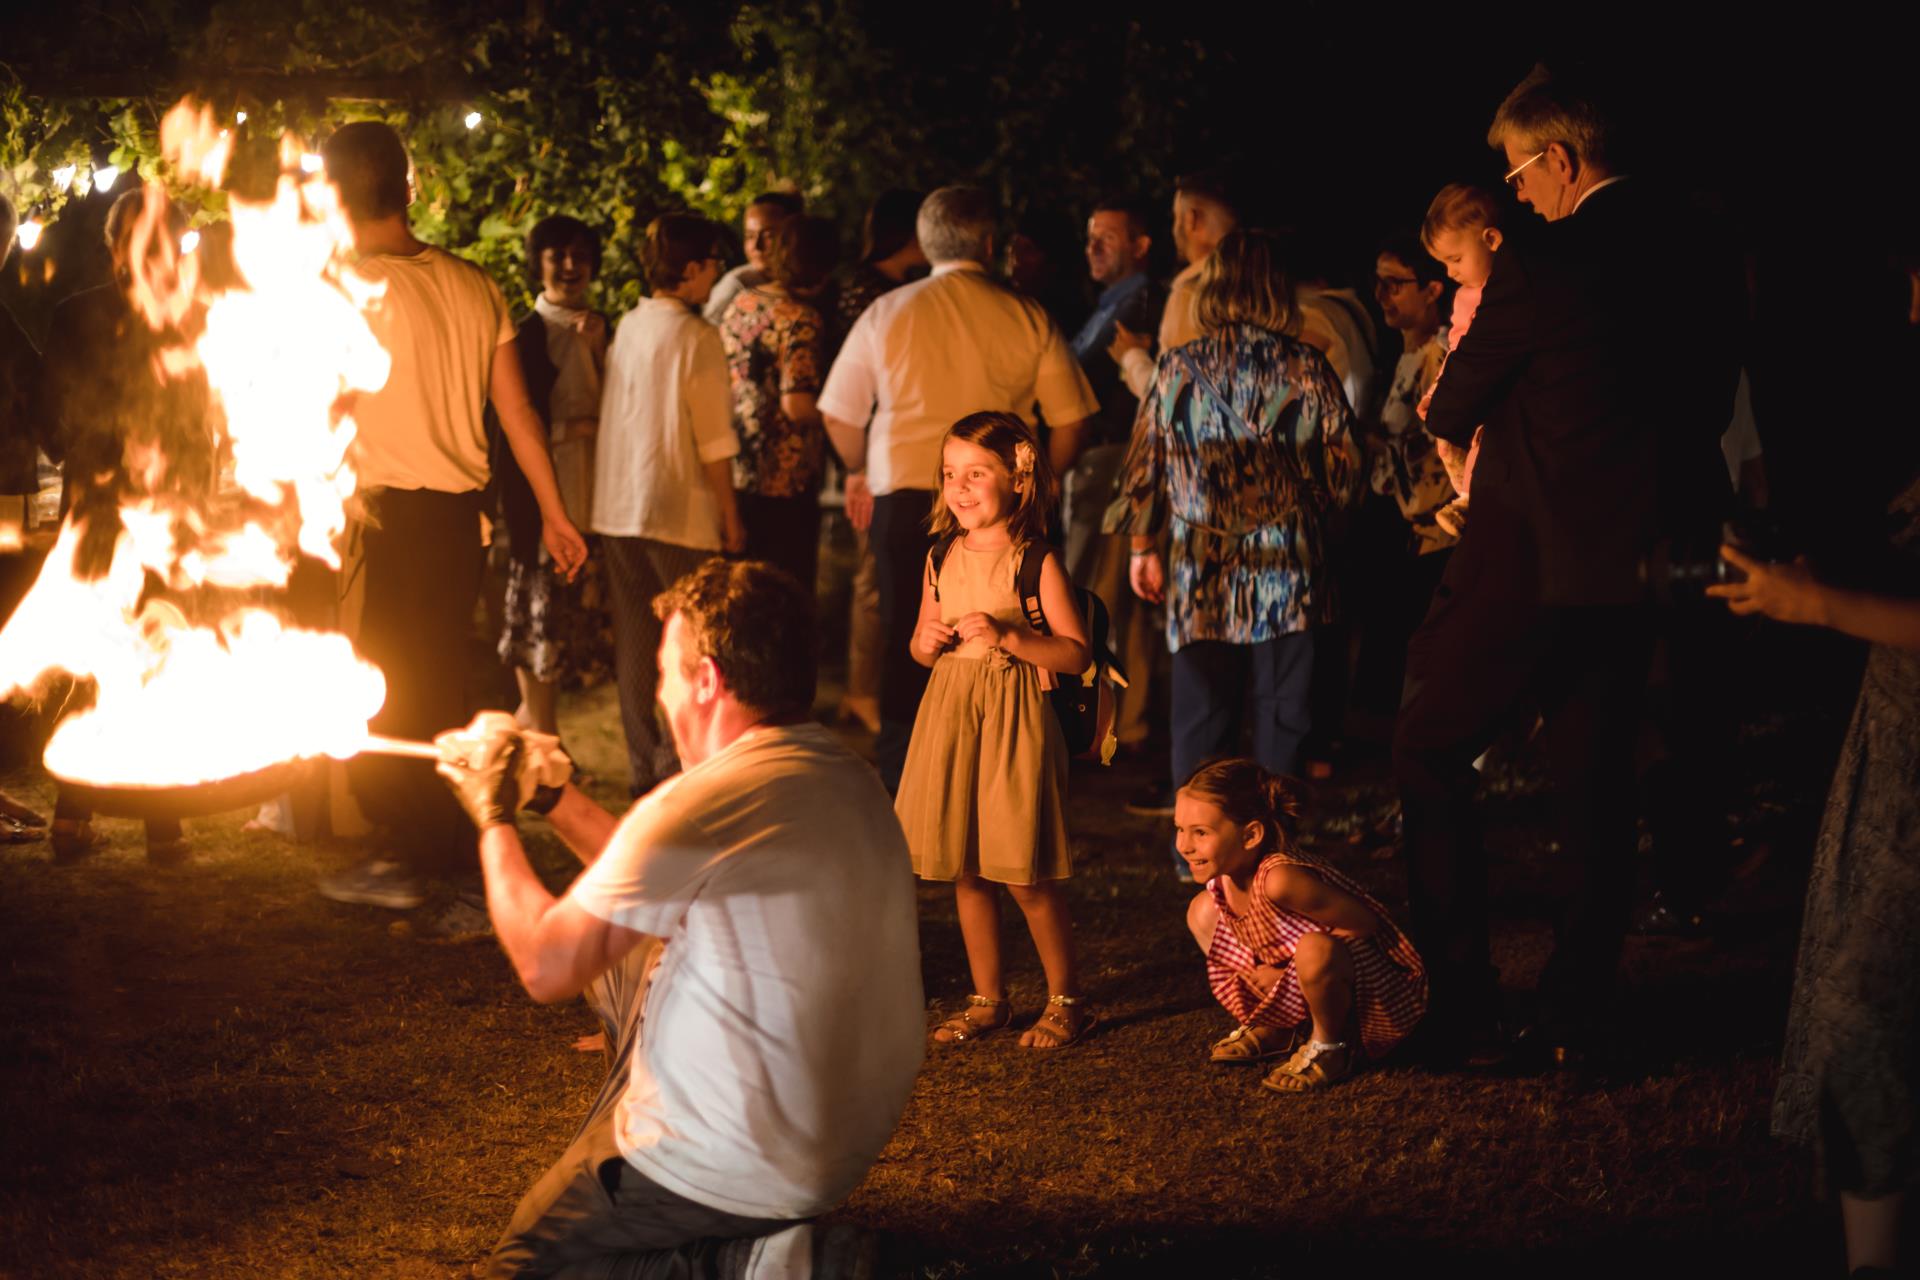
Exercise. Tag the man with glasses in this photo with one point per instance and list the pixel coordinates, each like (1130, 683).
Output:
(1602, 428)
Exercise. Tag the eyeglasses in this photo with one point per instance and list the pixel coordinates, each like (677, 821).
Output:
(1513, 175)
(1393, 284)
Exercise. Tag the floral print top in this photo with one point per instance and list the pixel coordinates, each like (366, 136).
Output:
(1405, 465)
(774, 347)
(1247, 494)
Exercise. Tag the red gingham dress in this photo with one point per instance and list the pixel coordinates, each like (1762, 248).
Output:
(1390, 982)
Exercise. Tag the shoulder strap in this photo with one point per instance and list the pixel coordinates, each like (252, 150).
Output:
(1207, 385)
(938, 557)
(1027, 583)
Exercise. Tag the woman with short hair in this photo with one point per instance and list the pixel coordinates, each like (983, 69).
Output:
(1245, 451)
(775, 338)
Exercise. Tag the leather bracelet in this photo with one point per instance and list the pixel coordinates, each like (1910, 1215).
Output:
(1144, 551)
(543, 800)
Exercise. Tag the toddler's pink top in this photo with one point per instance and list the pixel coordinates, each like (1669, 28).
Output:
(1466, 301)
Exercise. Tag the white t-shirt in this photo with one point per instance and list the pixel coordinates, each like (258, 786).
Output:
(927, 354)
(442, 321)
(666, 410)
(786, 1023)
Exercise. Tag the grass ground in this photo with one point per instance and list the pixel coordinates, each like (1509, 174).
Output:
(212, 1071)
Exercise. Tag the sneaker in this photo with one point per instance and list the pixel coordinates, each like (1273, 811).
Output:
(375, 882)
(1151, 802)
(464, 919)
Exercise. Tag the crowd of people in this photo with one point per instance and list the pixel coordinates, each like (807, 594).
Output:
(1279, 519)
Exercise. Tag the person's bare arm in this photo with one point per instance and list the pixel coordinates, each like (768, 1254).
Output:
(1790, 593)
(1306, 893)
(584, 825)
(802, 408)
(719, 474)
(556, 946)
(931, 637)
(849, 440)
(527, 437)
(1064, 443)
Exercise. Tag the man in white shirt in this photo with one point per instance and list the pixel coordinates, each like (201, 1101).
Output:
(663, 499)
(748, 934)
(918, 360)
(764, 216)
(411, 565)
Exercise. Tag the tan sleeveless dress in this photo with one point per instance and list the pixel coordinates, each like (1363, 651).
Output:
(985, 784)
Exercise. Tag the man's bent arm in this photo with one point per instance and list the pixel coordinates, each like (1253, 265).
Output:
(849, 441)
(584, 825)
(556, 946)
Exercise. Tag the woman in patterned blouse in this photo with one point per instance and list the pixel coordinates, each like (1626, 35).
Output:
(774, 335)
(1245, 451)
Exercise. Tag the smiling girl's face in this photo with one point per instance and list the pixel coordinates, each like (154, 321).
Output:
(1212, 843)
(975, 485)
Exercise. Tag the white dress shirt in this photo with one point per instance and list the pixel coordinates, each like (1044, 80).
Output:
(927, 354)
(665, 413)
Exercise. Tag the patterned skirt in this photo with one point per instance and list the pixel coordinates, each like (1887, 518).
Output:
(555, 629)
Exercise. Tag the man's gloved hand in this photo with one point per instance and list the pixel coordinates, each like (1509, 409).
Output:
(497, 768)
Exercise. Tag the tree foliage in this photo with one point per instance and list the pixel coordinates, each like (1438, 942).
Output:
(611, 111)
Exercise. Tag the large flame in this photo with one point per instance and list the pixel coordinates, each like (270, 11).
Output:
(193, 682)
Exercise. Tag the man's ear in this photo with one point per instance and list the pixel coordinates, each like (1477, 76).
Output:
(1561, 160)
(1142, 245)
(706, 680)
(1432, 290)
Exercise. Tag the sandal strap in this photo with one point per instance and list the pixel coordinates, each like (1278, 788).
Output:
(980, 1001)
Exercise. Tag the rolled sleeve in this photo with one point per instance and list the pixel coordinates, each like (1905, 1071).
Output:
(649, 872)
(1060, 385)
(853, 383)
(710, 399)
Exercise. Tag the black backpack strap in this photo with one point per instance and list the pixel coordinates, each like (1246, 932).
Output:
(938, 557)
(1027, 583)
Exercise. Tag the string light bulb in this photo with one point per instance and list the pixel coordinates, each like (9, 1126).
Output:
(105, 176)
(239, 117)
(473, 119)
(63, 176)
(29, 234)
(189, 242)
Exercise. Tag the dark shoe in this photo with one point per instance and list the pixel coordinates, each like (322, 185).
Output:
(73, 840)
(375, 882)
(1150, 802)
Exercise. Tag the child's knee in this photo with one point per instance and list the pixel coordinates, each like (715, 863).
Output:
(1033, 895)
(1319, 955)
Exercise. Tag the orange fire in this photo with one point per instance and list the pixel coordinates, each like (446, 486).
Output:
(180, 698)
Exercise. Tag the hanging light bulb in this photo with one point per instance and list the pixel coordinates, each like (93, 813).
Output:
(104, 176)
(30, 234)
(63, 176)
(189, 242)
(473, 119)
(239, 117)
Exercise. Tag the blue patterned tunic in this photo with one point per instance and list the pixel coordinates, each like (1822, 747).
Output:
(1248, 513)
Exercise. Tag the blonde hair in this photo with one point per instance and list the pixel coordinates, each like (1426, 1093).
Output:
(1459, 207)
(1013, 445)
(1544, 109)
(1242, 282)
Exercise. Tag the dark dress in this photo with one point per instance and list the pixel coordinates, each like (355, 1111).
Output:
(1853, 1029)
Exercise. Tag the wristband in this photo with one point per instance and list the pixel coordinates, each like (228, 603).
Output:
(1144, 551)
(543, 800)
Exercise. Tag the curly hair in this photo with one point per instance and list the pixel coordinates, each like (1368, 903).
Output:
(1246, 792)
(756, 622)
(1036, 492)
(558, 232)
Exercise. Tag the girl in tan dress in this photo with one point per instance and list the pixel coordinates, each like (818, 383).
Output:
(983, 795)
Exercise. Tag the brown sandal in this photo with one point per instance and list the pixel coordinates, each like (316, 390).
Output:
(1056, 1024)
(1314, 1065)
(1245, 1046)
(963, 1026)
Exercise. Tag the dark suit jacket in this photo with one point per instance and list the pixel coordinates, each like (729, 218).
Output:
(1602, 361)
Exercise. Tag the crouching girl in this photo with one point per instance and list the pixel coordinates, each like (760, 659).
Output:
(1292, 945)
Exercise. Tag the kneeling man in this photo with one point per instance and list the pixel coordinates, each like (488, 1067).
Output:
(748, 934)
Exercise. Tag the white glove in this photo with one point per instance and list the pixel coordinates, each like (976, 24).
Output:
(542, 764)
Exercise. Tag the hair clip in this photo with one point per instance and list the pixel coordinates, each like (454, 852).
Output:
(1023, 459)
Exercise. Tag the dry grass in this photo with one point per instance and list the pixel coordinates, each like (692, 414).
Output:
(214, 1072)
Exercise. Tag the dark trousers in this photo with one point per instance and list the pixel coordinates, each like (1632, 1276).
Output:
(639, 569)
(592, 1213)
(784, 532)
(1220, 688)
(412, 574)
(900, 544)
(1486, 655)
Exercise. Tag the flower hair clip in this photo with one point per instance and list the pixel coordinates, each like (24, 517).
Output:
(1022, 460)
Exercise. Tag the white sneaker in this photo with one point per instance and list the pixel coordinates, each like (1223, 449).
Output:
(375, 882)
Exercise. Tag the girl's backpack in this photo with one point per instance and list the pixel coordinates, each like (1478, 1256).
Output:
(1084, 704)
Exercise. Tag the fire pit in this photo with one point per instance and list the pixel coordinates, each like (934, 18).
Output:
(194, 800)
